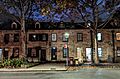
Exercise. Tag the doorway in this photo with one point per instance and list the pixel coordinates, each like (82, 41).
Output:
(88, 54)
(41, 54)
(54, 53)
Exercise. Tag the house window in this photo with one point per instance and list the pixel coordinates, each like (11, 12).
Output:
(15, 53)
(16, 37)
(38, 37)
(64, 38)
(53, 53)
(65, 52)
(14, 25)
(37, 25)
(100, 52)
(33, 37)
(118, 36)
(79, 37)
(99, 36)
(118, 51)
(6, 38)
(54, 37)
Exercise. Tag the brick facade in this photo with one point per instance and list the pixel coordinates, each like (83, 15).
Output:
(106, 44)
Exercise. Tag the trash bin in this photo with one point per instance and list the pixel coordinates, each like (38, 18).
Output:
(76, 61)
(71, 61)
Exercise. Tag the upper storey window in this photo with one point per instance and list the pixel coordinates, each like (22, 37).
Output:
(14, 25)
(37, 25)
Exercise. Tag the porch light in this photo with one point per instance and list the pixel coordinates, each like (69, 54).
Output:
(66, 35)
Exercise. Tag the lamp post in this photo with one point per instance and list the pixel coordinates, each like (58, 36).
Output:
(67, 37)
(89, 24)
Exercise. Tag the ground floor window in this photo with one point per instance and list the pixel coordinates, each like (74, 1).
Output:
(15, 53)
(5, 53)
(100, 52)
(118, 51)
(53, 53)
(65, 52)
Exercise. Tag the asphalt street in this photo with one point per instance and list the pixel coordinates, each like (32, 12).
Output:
(80, 74)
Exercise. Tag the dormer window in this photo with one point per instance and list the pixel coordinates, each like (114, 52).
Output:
(14, 25)
(37, 25)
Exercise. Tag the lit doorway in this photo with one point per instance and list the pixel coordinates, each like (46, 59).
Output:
(88, 54)
(54, 53)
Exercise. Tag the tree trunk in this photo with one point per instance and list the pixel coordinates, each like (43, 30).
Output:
(23, 39)
(96, 48)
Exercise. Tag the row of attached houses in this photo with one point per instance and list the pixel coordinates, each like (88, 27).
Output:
(44, 43)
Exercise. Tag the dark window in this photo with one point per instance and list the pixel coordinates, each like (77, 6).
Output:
(44, 37)
(38, 37)
(65, 52)
(29, 52)
(16, 37)
(79, 37)
(37, 25)
(15, 53)
(6, 38)
(5, 53)
(99, 37)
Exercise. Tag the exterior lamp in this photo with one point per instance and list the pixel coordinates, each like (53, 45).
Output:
(88, 23)
(67, 36)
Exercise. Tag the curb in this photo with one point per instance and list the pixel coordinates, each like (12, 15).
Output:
(28, 70)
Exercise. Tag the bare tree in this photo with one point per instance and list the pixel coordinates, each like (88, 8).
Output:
(94, 13)
(19, 11)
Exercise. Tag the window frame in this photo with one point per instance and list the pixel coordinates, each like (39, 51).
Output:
(65, 53)
(79, 37)
(55, 37)
(18, 37)
(64, 39)
(100, 37)
(118, 36)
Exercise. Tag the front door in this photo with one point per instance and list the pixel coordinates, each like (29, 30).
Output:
(88, 54)
(54, 53)
(43, 55)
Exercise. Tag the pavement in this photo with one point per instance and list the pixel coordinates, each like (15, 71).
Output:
(61, 67)
(40, 67)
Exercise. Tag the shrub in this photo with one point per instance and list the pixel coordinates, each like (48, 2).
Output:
(13, 63)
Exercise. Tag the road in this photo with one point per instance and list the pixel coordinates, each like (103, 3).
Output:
(80, 74)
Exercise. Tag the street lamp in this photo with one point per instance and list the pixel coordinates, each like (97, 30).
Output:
(66, 35)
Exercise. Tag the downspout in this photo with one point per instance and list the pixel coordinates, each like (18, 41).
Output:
(113, 45)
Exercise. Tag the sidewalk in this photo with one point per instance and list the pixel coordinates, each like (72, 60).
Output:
(62, 67)
(41, 67)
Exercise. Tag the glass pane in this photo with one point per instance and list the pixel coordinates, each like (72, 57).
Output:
(99, 36)
(100, 52)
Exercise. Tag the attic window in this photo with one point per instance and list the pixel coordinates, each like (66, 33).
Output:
(14, 25)
(37, 25)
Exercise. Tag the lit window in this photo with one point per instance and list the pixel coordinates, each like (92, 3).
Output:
(100, 52)
(99, 36)
(65, 52)
(118, 51)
